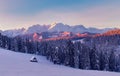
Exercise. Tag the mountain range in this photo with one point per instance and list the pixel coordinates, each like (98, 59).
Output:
(56, 27)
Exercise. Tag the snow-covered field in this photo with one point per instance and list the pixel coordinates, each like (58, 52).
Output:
(18, 64)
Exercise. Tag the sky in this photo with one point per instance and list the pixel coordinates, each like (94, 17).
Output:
(90, 13)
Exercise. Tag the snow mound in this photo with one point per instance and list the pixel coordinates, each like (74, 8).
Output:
(18, 64)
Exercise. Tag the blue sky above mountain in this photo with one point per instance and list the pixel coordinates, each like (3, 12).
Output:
(91, 13)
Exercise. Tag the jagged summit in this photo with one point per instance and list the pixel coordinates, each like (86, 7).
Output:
(59, 27)
(55, 27)
(52, 25)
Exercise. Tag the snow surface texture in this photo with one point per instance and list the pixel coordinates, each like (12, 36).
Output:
(18, 64)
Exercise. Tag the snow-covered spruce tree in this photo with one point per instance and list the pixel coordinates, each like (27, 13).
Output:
(48, 51)
(81, 56)
(61, 54)
(104, 60)
(118, 63)
(56, 54)
(13, 44)
(77, 51)
(85, 59)
(30, 48)
(70, 48)
(0, 40)
(20, 45)
(112, 61)
(44, 45)
(4, 41)
(35, 47)
(69, 54)
(9, 43)
(94, 59)
(54, 51)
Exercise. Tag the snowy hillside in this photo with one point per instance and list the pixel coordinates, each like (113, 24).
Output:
(17, 64)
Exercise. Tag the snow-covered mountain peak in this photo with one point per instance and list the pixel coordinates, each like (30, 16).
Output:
(14, 32)
(79, 26)
(52, 25)
(55, 27)
(37, 28)
(59, 27)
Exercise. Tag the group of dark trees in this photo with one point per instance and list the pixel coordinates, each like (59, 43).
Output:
(95, 53)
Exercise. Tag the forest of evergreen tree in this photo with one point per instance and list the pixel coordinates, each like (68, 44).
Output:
(96, 53)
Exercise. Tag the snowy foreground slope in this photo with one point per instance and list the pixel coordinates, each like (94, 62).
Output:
(18, 64)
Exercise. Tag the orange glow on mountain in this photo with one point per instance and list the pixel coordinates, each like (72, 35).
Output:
(112, 32)
(35, 36)
(81, 35)
(109, 33)
(66, 33)
(56, 38)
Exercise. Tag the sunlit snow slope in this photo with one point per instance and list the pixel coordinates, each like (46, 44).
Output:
(18, 64)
